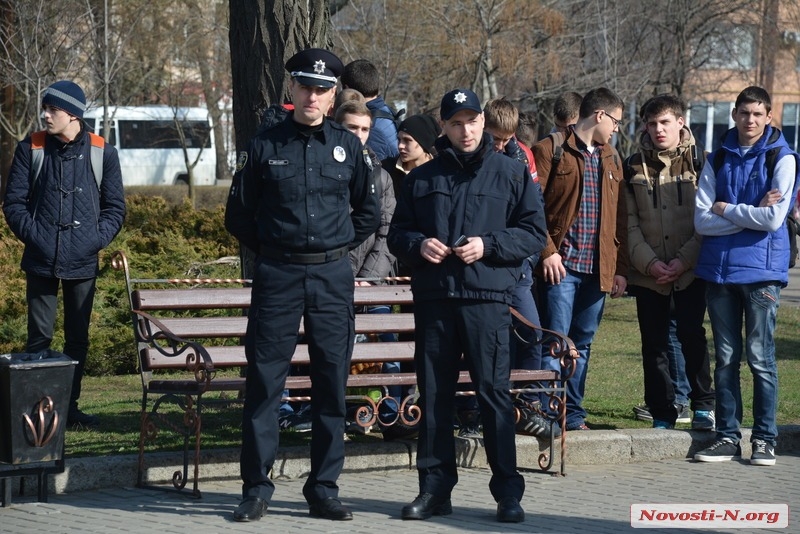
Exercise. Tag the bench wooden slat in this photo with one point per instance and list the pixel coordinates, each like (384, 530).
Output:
(233, 327)
(233, 355)
(229, 298)
(191, 299)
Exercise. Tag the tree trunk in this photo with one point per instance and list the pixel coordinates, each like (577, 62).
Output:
(264, 34)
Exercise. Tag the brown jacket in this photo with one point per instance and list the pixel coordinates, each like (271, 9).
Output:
(562, 197)
(660, 197)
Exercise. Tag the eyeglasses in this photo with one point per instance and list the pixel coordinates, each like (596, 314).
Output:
(615, 120)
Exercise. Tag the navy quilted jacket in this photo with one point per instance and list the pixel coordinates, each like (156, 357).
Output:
(65, 221)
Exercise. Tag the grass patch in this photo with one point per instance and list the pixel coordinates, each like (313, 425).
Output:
(614, 385)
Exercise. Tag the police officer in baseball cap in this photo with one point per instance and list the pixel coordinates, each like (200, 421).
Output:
(302, 197)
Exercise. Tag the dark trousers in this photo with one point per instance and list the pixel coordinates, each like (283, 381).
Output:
(322, 295)
(42, 296)
(653, 311)
(446, 329)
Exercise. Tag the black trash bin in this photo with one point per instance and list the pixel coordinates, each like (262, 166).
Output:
(34, 403)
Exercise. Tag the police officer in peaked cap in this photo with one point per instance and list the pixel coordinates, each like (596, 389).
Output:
(303, 198)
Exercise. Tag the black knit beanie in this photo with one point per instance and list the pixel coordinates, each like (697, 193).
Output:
(67, 96)
(423, 128)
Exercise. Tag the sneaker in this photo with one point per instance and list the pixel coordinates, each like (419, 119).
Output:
(468, 424)
(703, 420)
(399, 430)
(356, 423)
(533, 423)
(299, 421)
(763, 453)
(664, 425)
(684, 414)
(642, 413)
(721, 451)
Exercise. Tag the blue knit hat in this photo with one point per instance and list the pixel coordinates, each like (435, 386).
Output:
(67, 96)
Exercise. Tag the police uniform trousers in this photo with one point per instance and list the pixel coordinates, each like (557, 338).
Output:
(478, 329)
(283, 293)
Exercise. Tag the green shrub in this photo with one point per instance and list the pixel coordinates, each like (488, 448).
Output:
(161, 238)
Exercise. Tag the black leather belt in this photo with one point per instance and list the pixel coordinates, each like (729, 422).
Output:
(304, 258)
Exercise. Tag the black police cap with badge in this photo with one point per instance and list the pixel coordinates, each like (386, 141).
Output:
(459, 100)
(315, 67)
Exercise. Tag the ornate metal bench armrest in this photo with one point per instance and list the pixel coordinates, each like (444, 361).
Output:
(152, 332)
(559, 345)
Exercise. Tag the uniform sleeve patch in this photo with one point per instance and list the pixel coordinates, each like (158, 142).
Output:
(241, 161)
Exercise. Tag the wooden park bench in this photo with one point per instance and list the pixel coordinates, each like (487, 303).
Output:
(188, 332)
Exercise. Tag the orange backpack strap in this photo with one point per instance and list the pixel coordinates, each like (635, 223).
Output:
(37, 139)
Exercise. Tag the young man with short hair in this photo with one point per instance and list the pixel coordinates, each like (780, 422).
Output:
(64, 217)
(363, 76)
(661, 181)
(415, 142)
(566, 109)
(586, 255)
(741, 210)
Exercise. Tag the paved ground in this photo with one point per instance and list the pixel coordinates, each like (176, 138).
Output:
(591, 499)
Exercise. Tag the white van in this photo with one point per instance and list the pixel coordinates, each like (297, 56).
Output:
(150, 149)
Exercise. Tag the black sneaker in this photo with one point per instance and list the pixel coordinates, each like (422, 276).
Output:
(469, 424)
(763, 453)
(721, 451)
(535, 424)
(299, 421)
(642, 413)
(399, 430)
(78, 419)
(684, 414)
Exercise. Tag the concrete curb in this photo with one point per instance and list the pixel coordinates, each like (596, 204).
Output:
(596, 447)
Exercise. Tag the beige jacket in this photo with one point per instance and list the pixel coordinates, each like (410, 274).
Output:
(660, 198)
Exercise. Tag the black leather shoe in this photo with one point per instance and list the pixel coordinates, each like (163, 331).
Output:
(426, 505)
(250, 509)
(509, 511)
(330, 508)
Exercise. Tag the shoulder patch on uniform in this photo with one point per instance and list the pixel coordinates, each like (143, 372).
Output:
(241, 161)
(367, 159)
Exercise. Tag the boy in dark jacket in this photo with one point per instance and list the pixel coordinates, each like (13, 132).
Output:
(64, 218)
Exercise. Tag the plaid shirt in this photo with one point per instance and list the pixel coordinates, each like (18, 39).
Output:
(580, 243)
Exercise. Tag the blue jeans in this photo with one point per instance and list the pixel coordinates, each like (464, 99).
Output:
(574, 306)
(758, 304)
(677, 364)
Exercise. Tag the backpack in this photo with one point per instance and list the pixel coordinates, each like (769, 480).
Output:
(274, 114)
(37, 156)
(792, 225)
(396, 117)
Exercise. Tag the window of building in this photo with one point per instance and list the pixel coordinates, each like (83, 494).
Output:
(731, 48)
(709, 121)
(790, 124)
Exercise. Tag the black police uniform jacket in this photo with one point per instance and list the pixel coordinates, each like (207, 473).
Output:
(293, 193)
(65, 220)
(491, 196)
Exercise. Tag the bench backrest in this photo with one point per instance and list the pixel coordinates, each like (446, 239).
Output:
(217, 317)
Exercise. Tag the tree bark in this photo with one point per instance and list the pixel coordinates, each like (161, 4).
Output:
(264, 34)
